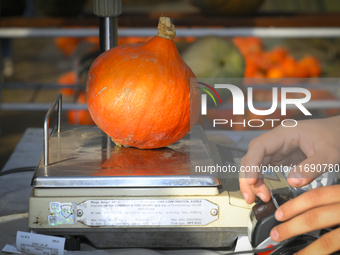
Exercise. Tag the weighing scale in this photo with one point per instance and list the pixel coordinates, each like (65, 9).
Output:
(127, 197)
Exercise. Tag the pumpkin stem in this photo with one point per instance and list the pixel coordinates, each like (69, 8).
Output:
(118, 145)
(165, 28)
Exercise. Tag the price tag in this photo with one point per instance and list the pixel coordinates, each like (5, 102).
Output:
(40, 244)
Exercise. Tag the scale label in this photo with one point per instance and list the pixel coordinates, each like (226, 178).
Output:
(62, 213)
(150, 212)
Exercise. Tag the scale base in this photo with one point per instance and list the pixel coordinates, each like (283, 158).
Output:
(155, 237)
(228, 222)
(136, 198)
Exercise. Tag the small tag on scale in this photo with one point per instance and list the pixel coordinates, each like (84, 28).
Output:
(40, 244)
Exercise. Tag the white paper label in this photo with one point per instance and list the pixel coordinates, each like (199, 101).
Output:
(39, 244)
(167, 212)
(243, 244)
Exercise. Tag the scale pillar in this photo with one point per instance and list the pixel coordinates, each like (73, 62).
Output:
(108, 12)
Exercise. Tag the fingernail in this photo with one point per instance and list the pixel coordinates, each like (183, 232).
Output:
(296, 178)
(245, 195)
(279, 214)
(262, 196)
(274, 234)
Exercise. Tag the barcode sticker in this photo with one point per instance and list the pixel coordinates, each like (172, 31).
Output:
(40, 244)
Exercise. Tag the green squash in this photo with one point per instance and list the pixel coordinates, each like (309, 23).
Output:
(212, 58)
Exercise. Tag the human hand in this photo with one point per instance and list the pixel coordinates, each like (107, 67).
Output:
(313, 210)
(311, 142)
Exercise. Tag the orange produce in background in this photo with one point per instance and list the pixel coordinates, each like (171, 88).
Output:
(251, 69)
(92, 40)
(289, 66)
(67, 45)
(279, 63)
(275, 63)
(277, 54)
(67, 79)
(80, 117)
(275, 72)
(311, 65)
(248, 45)
(75, 117)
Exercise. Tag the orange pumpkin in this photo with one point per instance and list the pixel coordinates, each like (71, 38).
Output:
(141, 94)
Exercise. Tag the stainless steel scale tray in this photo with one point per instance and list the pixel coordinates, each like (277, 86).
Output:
(83, 156)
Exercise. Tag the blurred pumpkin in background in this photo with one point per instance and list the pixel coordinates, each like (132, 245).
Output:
(80, 117)
(67, 45)
(67, 79)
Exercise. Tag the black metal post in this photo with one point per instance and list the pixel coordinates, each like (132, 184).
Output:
(108, 38)
(107, 11)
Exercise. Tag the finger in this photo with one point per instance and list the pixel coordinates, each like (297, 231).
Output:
(294, 157)
(260, 151)
(247, 192)
(308, 170)
(317, 162)
(317, 218)
(258, 188)
(247, 172)
(261, 190)
(251, 163)
(326, 244)
(307, 201)
(251, 191)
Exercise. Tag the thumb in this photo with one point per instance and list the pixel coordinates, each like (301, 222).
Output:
(305, 172)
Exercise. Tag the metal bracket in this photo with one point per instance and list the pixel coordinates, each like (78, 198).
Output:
(57, 100)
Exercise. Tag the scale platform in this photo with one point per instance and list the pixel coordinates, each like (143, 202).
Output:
(127, 197)
(83, 157)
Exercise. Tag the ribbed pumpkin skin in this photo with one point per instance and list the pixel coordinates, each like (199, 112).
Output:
(139, 94)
